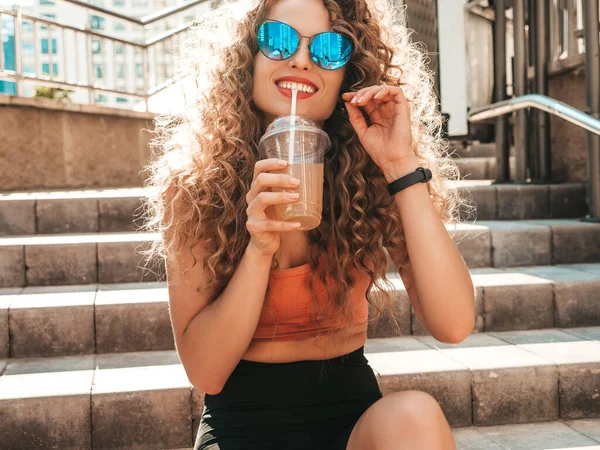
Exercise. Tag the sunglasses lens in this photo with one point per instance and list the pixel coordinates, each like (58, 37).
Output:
(331, 50)
(277, 40)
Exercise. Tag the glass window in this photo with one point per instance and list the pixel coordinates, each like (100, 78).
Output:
(119, 26)
(118, 49)
(98, 70)
(46, 2)
(46, 69)
(139, 70)
(101, 98)
(120, 71)
(96, 46)
(97, 22)
(118, 2)
(121, 100)
(49, 16)
(45, 46)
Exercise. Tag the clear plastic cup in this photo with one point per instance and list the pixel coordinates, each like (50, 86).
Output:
(301, 142)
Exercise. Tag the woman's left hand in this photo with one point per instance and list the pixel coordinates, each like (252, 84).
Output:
(388, 140)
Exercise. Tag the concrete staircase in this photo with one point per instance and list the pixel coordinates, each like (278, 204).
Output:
(87, 357)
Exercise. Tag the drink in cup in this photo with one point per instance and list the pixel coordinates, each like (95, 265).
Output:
(299, 141)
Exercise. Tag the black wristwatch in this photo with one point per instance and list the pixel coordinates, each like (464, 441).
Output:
(420, 175)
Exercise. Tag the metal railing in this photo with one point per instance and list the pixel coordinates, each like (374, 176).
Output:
(138, 69)
(580, 19)
(566, 35)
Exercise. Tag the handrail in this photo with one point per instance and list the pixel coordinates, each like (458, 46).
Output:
(158, 38)
(151, 18)
(542, 102)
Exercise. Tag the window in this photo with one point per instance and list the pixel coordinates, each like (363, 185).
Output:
(139, 70)
(27, 27)
(98, 70)
(120, 71)
(118, 2)
(45, 46)
(97, 22)
(96, 46)
(121, 100)
(101, 98)
(49, 16)
(119, 26)
(46, 2)
(139, 2)
(119, 49)
(46, 69)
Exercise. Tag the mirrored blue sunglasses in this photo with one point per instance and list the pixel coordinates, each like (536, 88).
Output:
(278, 41)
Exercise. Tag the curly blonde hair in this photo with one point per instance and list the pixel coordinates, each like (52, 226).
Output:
(207, 152)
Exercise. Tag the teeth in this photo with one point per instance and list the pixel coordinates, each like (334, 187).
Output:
(299, 86)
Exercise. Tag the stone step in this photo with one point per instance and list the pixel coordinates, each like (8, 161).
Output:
(536, 378)
(114, 257)
(119, 210)
(133, 317)
(475, 149)
(512, 201)
(482, 168)
(582, 434)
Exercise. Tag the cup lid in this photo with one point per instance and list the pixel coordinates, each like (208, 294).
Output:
(300, 123)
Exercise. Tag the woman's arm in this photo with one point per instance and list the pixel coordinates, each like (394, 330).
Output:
(441, 291)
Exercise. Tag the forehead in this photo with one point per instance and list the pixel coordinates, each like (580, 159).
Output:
(309, 17)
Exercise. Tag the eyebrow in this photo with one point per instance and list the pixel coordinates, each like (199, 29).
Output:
(312, 35)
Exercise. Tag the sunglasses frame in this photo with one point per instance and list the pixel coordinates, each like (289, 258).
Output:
(310, 39)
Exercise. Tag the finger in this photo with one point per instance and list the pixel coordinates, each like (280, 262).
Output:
(370, 94)
(372, 111)
(349, 96)
(356, 119)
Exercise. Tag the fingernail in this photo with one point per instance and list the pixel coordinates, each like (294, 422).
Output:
(354, 100)
(377, 95)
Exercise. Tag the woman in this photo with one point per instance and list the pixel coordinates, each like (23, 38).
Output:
(270, 322)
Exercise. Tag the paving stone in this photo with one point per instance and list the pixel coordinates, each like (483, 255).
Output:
(541, 435)
(7, 298)
(505, 379)
(575, 242)
(470, 438)
(568, 200)
(576, 294)
(132, 394)
(579, 370)
(517, 201)
(53, 321)
(60, 264)
(143, 307)
(120, 214)
(17, 217)
(518, 243)
(12, 266)
(589, 427)
(45, 403)
(516, 301)
(74, 215)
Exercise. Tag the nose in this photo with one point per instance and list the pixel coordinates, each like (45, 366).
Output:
(301, 59)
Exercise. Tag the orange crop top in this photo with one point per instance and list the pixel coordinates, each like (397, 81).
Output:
(287, 316)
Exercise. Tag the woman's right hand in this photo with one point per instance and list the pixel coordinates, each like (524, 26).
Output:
(264, 229)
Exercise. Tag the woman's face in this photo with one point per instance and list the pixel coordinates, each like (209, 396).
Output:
(309, 17)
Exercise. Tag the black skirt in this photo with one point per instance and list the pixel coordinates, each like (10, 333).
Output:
(312, 404)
